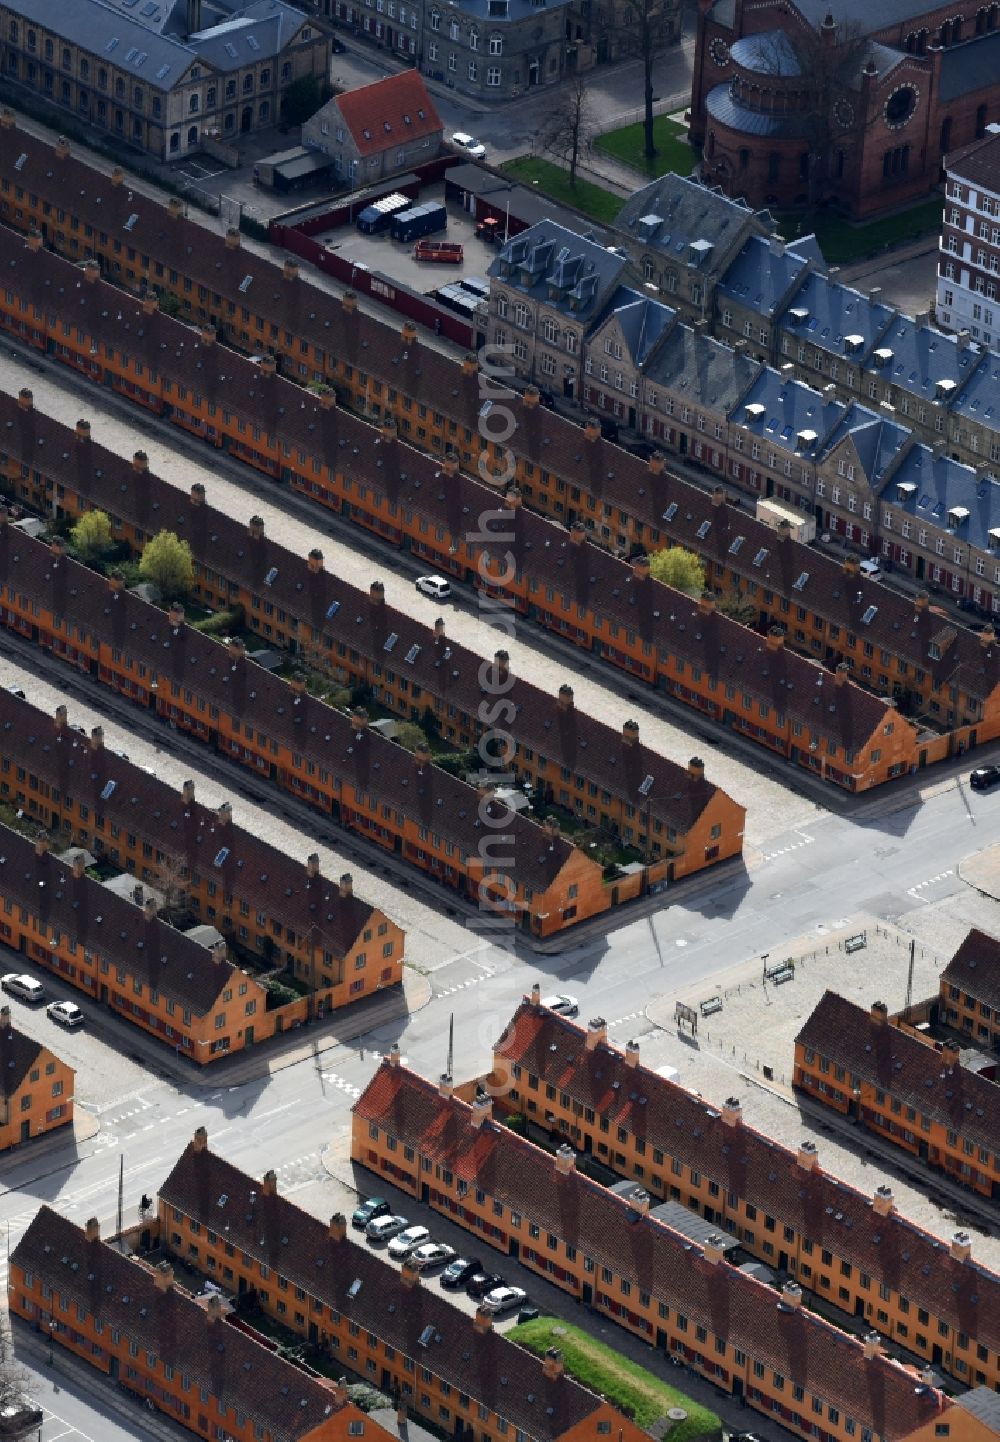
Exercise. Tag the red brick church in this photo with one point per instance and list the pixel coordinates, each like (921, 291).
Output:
(802, 101)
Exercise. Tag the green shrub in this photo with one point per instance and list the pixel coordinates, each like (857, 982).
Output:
(222, 623)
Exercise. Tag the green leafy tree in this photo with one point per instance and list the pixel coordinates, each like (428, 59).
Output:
(91, 536)
(167, 564)
(410, 735)
(740, 608)
(303, 98)
(680, 569)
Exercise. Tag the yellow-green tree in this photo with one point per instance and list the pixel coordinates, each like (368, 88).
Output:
(167, 564)
(678, 568)
(91, 537)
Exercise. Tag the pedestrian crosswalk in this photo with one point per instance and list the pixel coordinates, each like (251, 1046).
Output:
(792, 846)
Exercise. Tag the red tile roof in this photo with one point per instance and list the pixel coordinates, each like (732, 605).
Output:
(190, 831)
(180, 655)
(876, 1392)
(820, 1207)
(440, 665)
(366, 1289)
(897, 1063)
(389, 112)
(231, 1366)
(975, 968)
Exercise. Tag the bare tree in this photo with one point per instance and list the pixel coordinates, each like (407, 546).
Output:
(173, 881)
(828, 62)
(569, 124)
(653, 23)
(13, 1377)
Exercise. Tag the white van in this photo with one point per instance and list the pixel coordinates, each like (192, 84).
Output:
(25, 988)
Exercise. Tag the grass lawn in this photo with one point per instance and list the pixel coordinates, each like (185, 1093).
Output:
(553, 180)
(614, 1377)
(841, 241)
(672, 149)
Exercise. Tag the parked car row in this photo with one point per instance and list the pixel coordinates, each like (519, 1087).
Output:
(26, 988)
(404, 1242)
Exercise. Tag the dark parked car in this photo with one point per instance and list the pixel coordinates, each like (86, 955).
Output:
(460, 1271)
(984, 777)
(527, 1313)
(482, 1282)
(368, 1211)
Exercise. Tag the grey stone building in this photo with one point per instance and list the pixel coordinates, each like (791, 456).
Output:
(159, 75)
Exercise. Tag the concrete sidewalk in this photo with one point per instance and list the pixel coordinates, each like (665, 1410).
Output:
(981, 871)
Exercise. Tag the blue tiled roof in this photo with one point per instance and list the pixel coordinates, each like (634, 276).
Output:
(788, 408)
(939, 484)
(922, 356)
(702, 369)
(641, 320)
(762, 273)
(833, 312)
(684, 211)
(876, 439)
(569, 272)
(979, 398)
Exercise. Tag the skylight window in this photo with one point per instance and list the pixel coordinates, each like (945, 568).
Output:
(800, 581)
(390, 641)
(670, 512)
(132, 221)
(869, 616)
(253, 42)
(112, 44)
(163, 71)
(645, 786)
(426, 1336)
(220, 857)
(108, 790)
(354, 1288)
(332, 610)
(412, 654)
(230, 49)
(271, 576)
(245, 284)
(20, 161)
(703, 530)
(760, 557)
(734, 549)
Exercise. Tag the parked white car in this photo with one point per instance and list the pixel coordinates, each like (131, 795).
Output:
(431, 1254)
(437, 587)
(66, 1013)
(402, 1245)
(25, 988)
(472, 147)
(563, 1004)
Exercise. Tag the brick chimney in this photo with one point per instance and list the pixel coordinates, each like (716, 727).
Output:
(961, 1247)
(149, 302)
(33, 241)
(91, 270)
(408, 333)
(483, 1321)
(577, 533)
(337, 1228)
(535, 995)
(842, 674)
(359, 720)
(696, 769)
(255, 526)
(83, 430)
(775, 638)
(92, 1231)
(315, 560)
(349, 302)
(409, 1275)
(883, 1203)
(640, 568)
(552, 1364)
(565, 1160)
(638, 1200)
(149, 908)
(41, 844)
(176, 614)
(25, 399)
(312, 864)
(290, 270)
(879, 1012)
(78, 865)
(921, 601)
(97, 738)
(232, 238)
(224, 813)
(630, 733)
(269, 1183)
(791, 1296)
(592, 430)
(439, 628)
(376, 593)
(61, 717)
(446, 1086)
(655, 464)
(214, 1308)
(706, 603)
(531, 398)
(197, 494)
(873, 1345)
(950, 1054)
(632, 1053)
(713, 1250)
(732, 1112)
(597, 1032)
(5, 1015)
(501, 667)
(469, 365)
(164, 1277)
(199, 1142)
(394, 1054)
(482, 1110)
(236, 649)
(175, 207)
(327, 398)
(345, 886)
(807, 1156)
